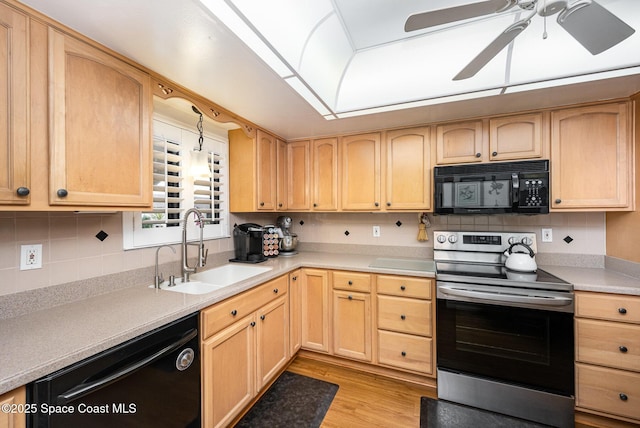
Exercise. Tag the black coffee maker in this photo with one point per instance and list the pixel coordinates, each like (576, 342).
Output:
(247, 239)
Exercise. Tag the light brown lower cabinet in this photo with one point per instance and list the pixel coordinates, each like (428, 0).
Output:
(239, 357)
(10, 419)
(352, 325)
(607, 331)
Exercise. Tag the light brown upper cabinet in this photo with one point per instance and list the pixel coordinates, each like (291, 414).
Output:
(360, 172)
(460, 142)
(409, 155)
(100, 110)
(518, 137)
(298, 180)
(325, 174)
(591, 158)
(14, 108)
(257, 172)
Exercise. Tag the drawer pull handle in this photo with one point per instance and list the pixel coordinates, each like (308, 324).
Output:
(403, 317)
(262, 317)
(234, 312)
(404, 354)
(402, 287)
(623, 396)
(275, 290)
(623, 349)
(23, 191)
(622, 310)
(253, 323)
(62, 193)
(350, 297)
(350, 282)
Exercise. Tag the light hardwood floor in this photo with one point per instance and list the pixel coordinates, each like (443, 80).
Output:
(365, 400)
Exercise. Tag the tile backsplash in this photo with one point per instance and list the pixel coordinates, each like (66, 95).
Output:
(73, 250)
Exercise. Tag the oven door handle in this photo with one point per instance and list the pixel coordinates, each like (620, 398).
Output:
(501, 297)
(87, 388)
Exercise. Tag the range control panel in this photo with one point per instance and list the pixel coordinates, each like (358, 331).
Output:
(489, 242)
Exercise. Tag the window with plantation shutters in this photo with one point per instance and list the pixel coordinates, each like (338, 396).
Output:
(175, 190)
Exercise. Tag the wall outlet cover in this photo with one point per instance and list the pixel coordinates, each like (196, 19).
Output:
(30, 257)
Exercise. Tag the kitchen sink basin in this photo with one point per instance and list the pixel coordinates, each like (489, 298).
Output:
(229, 274)
(191, 287)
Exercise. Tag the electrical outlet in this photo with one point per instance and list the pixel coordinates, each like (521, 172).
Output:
(30, 257)
(376, 231)
(547, 235)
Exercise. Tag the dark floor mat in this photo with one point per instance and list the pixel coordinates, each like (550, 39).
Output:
(292, 401)
(444, 414)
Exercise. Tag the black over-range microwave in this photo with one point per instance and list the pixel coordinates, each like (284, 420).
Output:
(493, 188)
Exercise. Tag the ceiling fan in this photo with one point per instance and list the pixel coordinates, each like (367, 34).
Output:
(593, 26)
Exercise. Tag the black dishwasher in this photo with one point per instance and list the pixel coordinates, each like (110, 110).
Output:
(152, 380)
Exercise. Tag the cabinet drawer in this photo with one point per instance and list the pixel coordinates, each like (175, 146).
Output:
(405, 286)
(608, 390)
(405, 351)
(222, 314)
(608, 343)
(352, 281)
(404, 315)
(613, 307)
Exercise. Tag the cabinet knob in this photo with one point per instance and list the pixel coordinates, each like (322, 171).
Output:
(62, 193)
(295, 278)
(623, 396)
(623, 349)
(376, 204)
(402, 287)
(262, 204)
(478, 155)
(623, 311)
(494, 154)
(234, 312)
(558, 201)
(403, 317)
(350, 297)
(280, 205)
(253, 324)
(275, 290)
(262, 317)
(404, 354)
(315, 205)
(388, 204)
(23, 191)
(350, 282)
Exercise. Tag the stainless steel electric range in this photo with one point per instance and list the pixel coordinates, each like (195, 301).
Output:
(504, 338)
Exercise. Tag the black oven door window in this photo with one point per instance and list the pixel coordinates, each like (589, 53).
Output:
(528, 347)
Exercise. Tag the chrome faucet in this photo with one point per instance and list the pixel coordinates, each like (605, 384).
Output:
(158, 279)
(202, 253)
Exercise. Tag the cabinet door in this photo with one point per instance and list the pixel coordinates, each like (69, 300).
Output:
(228, 367)
(459, 142)
(408, 169)
(14, 108)
(272, 341)
(9, 419)
(299, 176)
(591, 165)
(516, 137)
(352, 325)
(325, 174)
(295, 312)
(360, 172)
(315, 309)
(100, 145)
(267, 159)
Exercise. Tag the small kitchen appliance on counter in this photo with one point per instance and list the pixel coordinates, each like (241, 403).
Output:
(288, 241)
(248, 242)
(504, 328)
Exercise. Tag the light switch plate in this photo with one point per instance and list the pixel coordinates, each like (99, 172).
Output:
(30, 257)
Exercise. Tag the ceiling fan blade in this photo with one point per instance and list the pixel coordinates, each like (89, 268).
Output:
(493, 49)
(593, 26)
(458, 13)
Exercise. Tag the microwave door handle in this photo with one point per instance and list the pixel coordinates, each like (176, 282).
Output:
(515, 190)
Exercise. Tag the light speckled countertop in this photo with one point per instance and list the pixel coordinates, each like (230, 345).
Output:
(41, 342)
